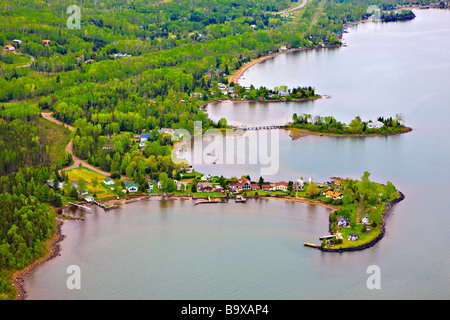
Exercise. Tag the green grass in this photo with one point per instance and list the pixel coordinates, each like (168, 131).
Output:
(101, 190)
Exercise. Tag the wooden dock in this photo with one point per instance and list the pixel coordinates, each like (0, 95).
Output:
(80, 206)
(312, 245)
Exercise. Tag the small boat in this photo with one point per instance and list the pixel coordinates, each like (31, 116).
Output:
(240, 199)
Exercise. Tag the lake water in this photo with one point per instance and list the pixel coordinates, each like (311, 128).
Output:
(175, 250)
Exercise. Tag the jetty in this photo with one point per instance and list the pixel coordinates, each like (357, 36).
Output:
(260, 128)
(103, 206)
(80, 206)
(312, 245)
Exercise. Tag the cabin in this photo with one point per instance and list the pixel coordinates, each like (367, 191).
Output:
(353, 237)
(17, 41)
(281, 186)
(375, 125)
(108, 181)
(9, 48)
(131, 187)
(45, 42)
(89, 199)
(282, 49)
(343, 222)
(89, 61)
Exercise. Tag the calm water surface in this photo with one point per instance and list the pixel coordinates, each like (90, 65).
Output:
(175, 250)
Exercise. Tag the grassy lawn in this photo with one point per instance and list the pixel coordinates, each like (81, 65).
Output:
(58, 137)
(16, 61)
(101, 190)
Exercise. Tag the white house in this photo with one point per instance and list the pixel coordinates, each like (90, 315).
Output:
(375, 125)
(282, 186)
(108, 181)
(131, 187)
(17, 41)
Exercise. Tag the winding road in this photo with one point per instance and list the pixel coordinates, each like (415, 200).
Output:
(304, 2)
(69, 149)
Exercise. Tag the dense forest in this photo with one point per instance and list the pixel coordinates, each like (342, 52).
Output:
(131, 67)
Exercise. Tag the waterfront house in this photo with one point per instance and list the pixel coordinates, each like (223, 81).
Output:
(244, 184)
(89, 199)
(281, 186)
(131, 187)
(205, 187)
(266, 187)
(254, 186)
(232, 186)
(375, 125)
(333, 194)
(297, 185)
(108, 181)
(282, 48)
(353, 237)
(343, 222)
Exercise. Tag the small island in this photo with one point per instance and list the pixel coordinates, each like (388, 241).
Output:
(306, 124)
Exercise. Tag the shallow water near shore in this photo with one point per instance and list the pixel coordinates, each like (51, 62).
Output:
(175, 250)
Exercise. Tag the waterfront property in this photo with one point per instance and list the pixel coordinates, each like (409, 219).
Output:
(131, 187)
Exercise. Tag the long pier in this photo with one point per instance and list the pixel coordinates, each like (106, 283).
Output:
(80, 206)
(260, 128)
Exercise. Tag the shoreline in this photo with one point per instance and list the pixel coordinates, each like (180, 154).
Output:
(54, 250)
(237, 74)
(54, 244)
